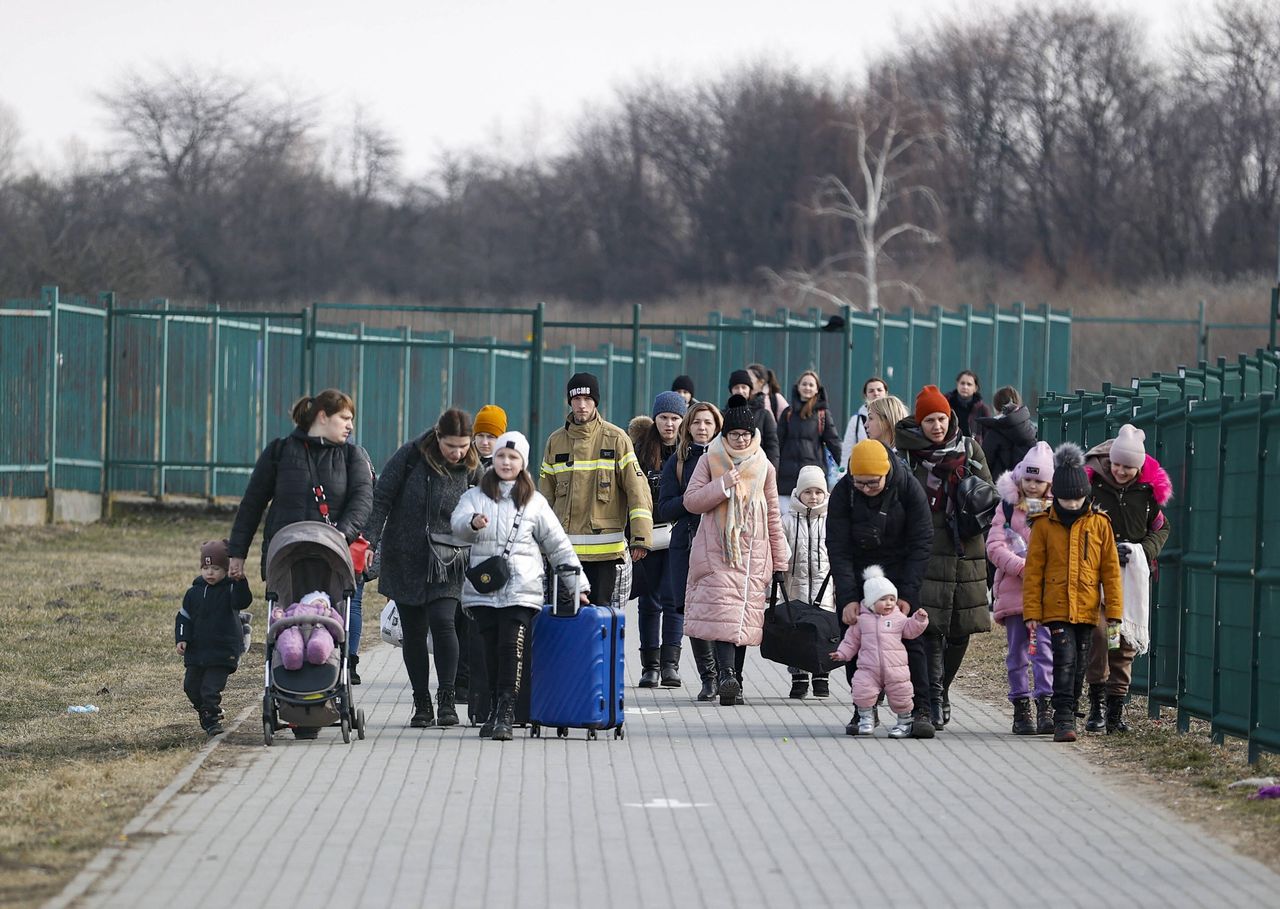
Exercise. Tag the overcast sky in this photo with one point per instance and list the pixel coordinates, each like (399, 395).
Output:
(444, 75)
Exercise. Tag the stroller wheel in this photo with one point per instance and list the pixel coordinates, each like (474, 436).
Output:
(268, 733)
(360, 724)
(346, 729)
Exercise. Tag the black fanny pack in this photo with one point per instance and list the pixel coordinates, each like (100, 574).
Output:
(494, 572)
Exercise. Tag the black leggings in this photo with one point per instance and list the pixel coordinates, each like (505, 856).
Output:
(438, 616)
(505, 632)
(728, 654)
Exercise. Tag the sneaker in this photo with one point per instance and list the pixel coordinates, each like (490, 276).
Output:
(1064, 732)
(866, 722)
(902, 728)
(821, 688)
(214, 728)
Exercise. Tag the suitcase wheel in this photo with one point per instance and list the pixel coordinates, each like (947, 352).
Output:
(619, 734)
(562, 732)
(535, 730)
(591, 735)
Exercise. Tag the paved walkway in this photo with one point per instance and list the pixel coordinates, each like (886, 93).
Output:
(768, 804)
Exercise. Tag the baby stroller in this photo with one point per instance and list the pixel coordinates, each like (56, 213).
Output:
(306, 556)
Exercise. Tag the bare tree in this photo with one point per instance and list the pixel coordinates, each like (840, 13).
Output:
(879, 200)
(10, 134)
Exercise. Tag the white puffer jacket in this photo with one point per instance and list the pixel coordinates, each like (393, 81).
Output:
(806, 530)
(540, 533)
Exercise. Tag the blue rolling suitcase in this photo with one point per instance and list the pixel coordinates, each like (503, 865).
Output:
(578, 667)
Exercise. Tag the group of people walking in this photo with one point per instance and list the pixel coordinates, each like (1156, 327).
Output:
(701, 510)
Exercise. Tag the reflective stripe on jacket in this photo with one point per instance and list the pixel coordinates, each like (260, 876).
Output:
(594, 483)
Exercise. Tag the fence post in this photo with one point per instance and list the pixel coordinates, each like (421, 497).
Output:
(715, 320)
(161, 474)
(636, 399)
(911, 346)
(49, 297)
(846, 364)
(1275, 314)
(880, 367)
(535, 373)
(1021, 309)
(265, 397)
(406, 381)
(359, 391)
(212, 435)
(1202, 336)
(108, 299)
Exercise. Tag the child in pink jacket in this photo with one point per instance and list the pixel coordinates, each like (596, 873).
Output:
(876, 640)
(1024, 491)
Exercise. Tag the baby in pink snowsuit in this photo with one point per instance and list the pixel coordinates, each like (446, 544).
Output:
(876, 639)
(312, 643)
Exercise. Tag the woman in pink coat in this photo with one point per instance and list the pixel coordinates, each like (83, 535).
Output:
(739, 546)
(876, 640)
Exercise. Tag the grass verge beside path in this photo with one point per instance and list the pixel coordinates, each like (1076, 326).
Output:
(88, 619)
(1185, 772)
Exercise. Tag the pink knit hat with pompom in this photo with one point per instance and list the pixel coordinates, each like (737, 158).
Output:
(1036, 464)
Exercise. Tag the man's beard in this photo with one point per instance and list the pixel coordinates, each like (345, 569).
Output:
(580, 418)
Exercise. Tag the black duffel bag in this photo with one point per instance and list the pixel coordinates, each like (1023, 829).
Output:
(800, 634)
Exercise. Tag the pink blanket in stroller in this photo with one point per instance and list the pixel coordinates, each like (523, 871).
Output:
(306, 643)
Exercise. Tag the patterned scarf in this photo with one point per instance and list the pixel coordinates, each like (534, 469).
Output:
(746, 499)
(945, 468)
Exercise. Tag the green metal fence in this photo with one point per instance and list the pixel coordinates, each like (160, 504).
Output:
(1215, 618)
(153, 399)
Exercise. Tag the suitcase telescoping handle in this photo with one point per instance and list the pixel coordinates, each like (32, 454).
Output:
(565, 595)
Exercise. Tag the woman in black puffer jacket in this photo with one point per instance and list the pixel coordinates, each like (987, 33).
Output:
(701, 424)
(805, 432)
(316, 452)
(421, 562)
(1009, 435)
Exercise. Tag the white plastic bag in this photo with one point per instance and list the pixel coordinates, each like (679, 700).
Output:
(389, 625)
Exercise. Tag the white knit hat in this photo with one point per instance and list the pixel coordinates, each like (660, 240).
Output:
(515, 440)
(1128, 448)
(811, 477)
(875, 585)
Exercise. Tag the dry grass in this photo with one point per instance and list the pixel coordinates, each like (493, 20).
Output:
(1185, 772)
(88, 618)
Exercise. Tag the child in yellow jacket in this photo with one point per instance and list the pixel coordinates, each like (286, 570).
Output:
(1072, 570)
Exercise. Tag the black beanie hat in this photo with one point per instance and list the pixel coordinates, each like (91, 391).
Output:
(682, 383)
(738, 415)
(1069, 479)
(583, 383)
(740, 377)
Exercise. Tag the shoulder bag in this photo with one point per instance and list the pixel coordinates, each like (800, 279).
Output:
(494, 572)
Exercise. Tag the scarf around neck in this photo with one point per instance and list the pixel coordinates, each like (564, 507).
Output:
(945, 463)
(747, 498)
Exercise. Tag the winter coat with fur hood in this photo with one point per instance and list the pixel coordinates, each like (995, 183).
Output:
(1006, 438)
(539, 533)
(725, 602)
(1007, 549)
(806, 530)
(1135, 509)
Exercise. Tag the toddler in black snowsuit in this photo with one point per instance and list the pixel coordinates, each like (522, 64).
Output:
(209, 634)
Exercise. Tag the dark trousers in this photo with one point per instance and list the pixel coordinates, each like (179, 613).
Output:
(1070, 657)
(438, 616)
(729, 655)
(204, 685)
(465, 628)
(602, 577)
(504, 632)
(660, 620)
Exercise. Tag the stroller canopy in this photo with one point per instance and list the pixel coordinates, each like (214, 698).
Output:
(306, 556)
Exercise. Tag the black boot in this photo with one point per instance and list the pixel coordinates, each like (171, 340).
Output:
(1022, 724)
(448, 712)
(728, 688)
(799, 685)
(1115, 714)
(704, 657)
(934, 646)
(946, 706)
(1096, 722)
(669, 658)
(821, 687)
(648, 667)
(486, 728)
(353, 660)
(738, 699)
(921, 724)
(504, 718)
(424, 714)
(1044, 716)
